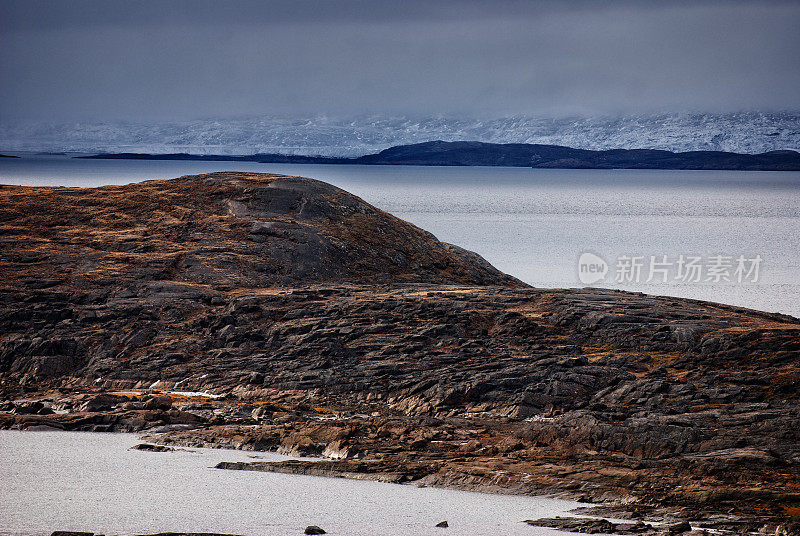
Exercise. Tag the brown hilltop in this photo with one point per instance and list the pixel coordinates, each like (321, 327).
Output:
(226, 230)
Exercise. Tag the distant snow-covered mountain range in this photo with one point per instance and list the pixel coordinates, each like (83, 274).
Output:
(745, 132)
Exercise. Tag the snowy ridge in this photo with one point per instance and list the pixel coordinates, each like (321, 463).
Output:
(746, 132)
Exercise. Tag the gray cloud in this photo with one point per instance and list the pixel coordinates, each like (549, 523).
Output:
(180, 60)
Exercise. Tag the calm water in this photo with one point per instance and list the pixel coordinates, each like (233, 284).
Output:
(535, 223)
(92, 482)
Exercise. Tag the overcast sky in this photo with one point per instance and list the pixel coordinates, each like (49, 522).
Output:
(173, 60)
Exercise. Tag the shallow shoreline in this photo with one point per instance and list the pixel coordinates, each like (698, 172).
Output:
(277, 504)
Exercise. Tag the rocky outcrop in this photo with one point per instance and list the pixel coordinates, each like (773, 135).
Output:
(598, 526)
(152, 448)
(599, 394)
(223, 230)
(393, 356)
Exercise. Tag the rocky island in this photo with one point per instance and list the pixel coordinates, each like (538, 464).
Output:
(268, 312)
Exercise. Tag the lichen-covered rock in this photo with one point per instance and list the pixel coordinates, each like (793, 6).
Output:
(226, 230)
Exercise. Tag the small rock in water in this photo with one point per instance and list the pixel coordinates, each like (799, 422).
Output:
(71, 533)
(442, 525)
(152, 448)
(313, 529)
(577, 524)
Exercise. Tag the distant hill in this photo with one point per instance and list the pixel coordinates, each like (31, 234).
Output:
(473, 153)
(439, 153)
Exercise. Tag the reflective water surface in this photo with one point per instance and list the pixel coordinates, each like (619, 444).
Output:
(92, 482)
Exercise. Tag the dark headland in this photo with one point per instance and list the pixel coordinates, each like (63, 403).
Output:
(472, 153)
(327, 327)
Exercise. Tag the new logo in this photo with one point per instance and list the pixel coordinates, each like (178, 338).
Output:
(591, 268)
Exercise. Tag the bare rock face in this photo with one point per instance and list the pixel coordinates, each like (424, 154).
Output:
(226, 230)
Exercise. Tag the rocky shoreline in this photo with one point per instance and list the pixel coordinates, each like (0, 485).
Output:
(244, 313)
(650, 437)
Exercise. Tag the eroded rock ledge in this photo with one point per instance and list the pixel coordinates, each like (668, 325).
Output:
(596, 395)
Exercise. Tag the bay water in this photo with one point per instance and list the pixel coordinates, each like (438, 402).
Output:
(92, 482)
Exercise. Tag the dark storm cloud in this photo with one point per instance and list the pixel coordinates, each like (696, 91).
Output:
(174, 60)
